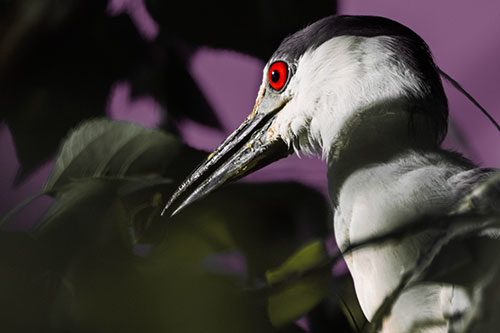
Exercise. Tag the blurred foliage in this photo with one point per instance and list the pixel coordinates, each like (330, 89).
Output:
(58, 60)
(311, 255)
(304, 284)
(298, 296)
(253, 27)
(57, 64)
(118, 150)
(102, 258)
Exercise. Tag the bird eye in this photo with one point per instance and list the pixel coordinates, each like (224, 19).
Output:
(278, 73)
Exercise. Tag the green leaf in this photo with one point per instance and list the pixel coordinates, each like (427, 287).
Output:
(303, 281)
(307, 258)
(291, 301)
(166, 290)
(263, 220)
(302, 286)
(85, 214)
(112, 148)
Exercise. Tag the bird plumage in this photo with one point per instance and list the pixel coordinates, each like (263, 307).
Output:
(365, 94)
(353, 62)
(381, 197)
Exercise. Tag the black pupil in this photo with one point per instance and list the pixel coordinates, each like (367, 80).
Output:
(275, 76)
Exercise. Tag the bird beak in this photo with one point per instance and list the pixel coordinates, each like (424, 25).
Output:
(250, 147)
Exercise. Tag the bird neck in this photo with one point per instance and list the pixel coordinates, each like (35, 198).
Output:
(373, 137)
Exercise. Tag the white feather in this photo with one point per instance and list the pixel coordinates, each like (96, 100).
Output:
(375, 200)
(348, 102)
(334, 82)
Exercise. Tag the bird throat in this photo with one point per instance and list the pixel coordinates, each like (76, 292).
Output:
(373, 137)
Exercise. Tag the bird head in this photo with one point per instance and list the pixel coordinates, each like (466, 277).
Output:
(340, 80)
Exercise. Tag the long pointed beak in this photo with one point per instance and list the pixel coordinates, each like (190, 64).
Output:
(249, 148)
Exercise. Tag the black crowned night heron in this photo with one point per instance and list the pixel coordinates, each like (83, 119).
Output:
(365, 94)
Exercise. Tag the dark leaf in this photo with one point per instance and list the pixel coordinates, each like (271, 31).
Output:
(105, 148)
(301, 284)
(57, 65)
(91, 229)
(106, 288)
(26, 284)
(297, 297)
(307, 258)
(85, 213)
(184, 97)
(98, 284)
(168, 80)
(254, 28)
(267, 222)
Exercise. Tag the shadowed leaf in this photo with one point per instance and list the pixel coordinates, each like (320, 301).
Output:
(300, 284)
(307, 258)
(26, 284)
(294, 299)
(168, 80)
(304, 285)
(255, 27)
(83, 213)
(106, 288)
(57, 65)
(115, 149)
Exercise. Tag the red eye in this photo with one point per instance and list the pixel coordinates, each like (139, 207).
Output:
(277, 75)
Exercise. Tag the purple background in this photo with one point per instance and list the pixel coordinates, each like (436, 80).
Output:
(463, 38)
